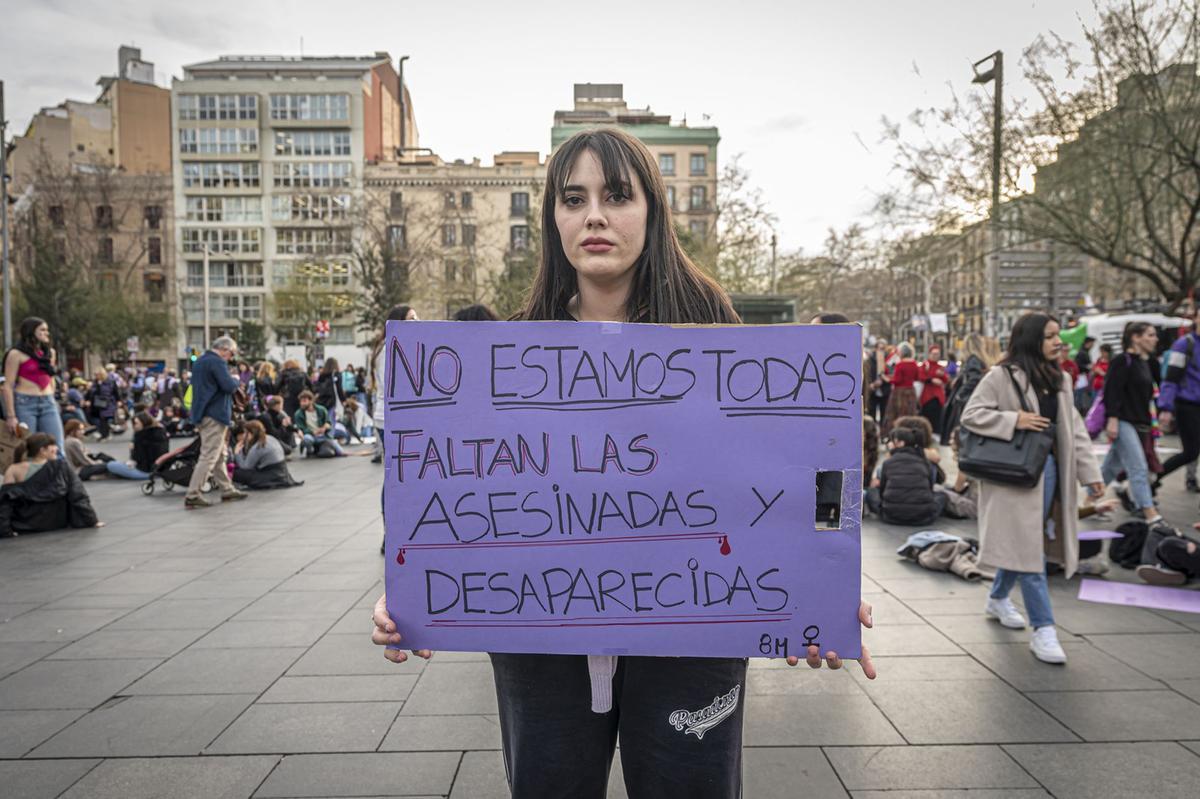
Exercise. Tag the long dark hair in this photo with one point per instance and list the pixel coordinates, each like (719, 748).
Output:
(667, 286)
(1133, 329)
(28, 343)
(1025, 352)
(399, 313)
(330, 367)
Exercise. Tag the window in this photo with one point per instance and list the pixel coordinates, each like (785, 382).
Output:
(155, 287)
(224, 209)
(312, 174)
(225, 306)
(397, 238)
(666, 163)
(221, 240)
(448, 200)
(106, 250)
(312, 142)
(699, 164)
(451, 271)
(671, 197)
(449, 235)
(396, 206)
(218, 140)
(518, 237)
(154, 250)
(312, 241)
(315, 273)
(468, 232)
(225, 274)
(153, 216)
(57, 217)
(467, 201)
(698, 227)
(310, 106)
(104, 216)
(699, 198)
(221, 174)
(309, 207)
(520, 203)
(218, 106)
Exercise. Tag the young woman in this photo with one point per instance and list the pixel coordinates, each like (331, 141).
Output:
(611, 254)
(260, 460)
(102, 400)
(150, 442)
(329, 389)
(28, 390)
(1019, 528)
(375, 381)
(41, 492)
(292, 381)
(933, 393)
(264, 385)
(86, 464)
(1128, 394)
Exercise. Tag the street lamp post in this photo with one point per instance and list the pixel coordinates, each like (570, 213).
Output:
(4, 224)
(207, 253)
(927, 282)
(994, 73)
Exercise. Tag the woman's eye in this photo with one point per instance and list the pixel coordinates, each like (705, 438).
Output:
(573, 200)
(617, 198)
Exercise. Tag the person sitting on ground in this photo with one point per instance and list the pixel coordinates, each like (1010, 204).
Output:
(86, 464)
(41, 492)
(904, 494)
(356, 421)
(870, 449)
(924, 432)
(278, 424)
(260, 460)
(150, 442)
(312, 422)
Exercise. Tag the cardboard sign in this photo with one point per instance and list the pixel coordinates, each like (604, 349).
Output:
(596, 488)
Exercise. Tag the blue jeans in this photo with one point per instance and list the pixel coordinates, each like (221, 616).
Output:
(1034, 588)
(310, 443)
(125, 471)
(40, 413)
(1126, 454)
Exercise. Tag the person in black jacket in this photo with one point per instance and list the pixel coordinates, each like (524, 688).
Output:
(905, 492)
(41, 492)
(1128, 392)
(329, 391)
(292, 381)
(278, 424)
(150, 442)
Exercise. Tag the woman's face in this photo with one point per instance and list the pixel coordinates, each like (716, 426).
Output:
(42, 333)
(48, 452)
(603, 232)
(1147, 342)
(412, 316)
(1051, 343)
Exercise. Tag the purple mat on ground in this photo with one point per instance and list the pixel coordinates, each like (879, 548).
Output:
(1096, 535)
(1141, 596)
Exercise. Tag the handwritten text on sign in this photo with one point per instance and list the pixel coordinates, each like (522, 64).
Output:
(564, 487)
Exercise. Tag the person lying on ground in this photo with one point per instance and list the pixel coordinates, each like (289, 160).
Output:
(41, 492)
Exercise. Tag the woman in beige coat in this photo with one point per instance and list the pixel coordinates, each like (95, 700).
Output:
(1021, 528)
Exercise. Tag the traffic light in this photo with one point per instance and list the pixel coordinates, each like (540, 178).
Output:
(192, 354)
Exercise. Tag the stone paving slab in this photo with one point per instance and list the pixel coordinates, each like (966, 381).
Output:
(191, 649)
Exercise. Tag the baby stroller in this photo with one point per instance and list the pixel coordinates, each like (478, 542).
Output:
(175, 469)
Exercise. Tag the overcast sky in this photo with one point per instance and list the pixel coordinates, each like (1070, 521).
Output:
(799, 87)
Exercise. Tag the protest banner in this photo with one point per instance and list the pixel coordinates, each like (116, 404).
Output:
(600, 488)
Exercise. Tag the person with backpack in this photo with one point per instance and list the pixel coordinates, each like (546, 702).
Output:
(1021, 528)
(1179, 399)
(610, 254)
(904, 494)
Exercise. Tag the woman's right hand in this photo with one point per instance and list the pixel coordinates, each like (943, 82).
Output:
(1028, 420)
(1113, 429)
(385, 634)
(11, 423)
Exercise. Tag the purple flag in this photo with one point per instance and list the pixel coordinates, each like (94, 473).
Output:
(599, 488)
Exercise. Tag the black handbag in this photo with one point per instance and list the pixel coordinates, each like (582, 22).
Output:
(1017, 462)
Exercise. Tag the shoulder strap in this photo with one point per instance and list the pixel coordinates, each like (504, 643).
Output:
(1020, 393)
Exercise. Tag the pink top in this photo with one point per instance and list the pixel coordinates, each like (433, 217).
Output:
(31, 371)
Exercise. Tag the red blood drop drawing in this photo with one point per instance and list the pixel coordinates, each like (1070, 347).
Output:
(725, 550)
(400, 557)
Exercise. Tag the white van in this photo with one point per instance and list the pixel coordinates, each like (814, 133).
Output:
(1107, 329)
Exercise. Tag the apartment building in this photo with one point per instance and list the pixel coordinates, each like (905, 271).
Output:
(686, 156)
(269, 154)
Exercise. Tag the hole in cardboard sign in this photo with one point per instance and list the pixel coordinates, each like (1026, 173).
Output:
(829, 500)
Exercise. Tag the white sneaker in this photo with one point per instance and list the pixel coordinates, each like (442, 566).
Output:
(1004, 611)
(1094, 566)
(1045, 645)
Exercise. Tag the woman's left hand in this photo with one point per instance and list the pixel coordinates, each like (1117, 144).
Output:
(831, 658)
(1096, 490)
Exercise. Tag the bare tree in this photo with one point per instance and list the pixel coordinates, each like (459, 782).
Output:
(1113, 137)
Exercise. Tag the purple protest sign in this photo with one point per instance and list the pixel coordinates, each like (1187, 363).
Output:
(596, 488)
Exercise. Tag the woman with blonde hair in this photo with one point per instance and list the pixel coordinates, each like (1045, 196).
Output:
(264, 385)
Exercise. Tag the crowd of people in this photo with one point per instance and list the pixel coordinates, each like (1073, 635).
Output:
(1121, 397)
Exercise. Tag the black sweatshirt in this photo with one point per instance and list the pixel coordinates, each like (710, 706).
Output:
(1128, 390)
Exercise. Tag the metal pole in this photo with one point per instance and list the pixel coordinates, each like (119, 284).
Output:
(772, 263)
(206, 342)
(994, 259)
(4, 265)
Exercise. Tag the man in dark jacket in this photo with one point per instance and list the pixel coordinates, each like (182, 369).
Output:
(212, 414)
(905, 492)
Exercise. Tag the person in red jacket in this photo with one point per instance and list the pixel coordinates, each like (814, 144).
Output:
(933, 394)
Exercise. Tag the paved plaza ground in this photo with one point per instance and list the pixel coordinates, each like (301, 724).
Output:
(225, 653)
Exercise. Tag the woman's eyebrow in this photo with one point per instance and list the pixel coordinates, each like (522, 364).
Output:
(574, 187)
